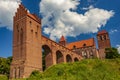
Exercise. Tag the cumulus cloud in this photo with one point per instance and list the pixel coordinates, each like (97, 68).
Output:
(60, 18)
(7, 11)
(118, 47)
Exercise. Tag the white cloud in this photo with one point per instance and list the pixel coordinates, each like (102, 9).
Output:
(113, 31)
(59, 20)
(7, 11)
(118, 47)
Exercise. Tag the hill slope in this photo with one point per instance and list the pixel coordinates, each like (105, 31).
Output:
(91, 69)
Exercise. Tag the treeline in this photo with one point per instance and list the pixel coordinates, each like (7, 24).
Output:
(112, 53)
(5, 65)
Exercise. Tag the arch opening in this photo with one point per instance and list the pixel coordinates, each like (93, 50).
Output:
(76, 59)
(59, 57)
(68, 58)
(46, 57)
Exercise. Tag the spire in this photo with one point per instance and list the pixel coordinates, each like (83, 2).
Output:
(62, 40)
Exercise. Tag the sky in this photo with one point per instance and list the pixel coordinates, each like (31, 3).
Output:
(75, 19)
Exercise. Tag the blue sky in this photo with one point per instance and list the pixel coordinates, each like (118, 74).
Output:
(54, 21)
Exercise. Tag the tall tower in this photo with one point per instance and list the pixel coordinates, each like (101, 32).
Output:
(103, 42)
(27, 54)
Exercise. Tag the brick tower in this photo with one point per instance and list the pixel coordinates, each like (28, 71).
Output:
(27, 54)
(103, 42)
(62, 41)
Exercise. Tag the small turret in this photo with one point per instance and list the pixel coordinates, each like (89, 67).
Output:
(62, 41)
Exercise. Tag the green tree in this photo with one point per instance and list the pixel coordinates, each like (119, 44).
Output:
(112, 53)
(5, 65)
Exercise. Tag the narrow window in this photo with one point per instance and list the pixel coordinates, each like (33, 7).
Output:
(36, 34)
(17, 29)
(104, 37)
(37, 28)
(21, 36)
(84, 45)
(14, 73)
(30, 23)
(74, 47)
(100, 37)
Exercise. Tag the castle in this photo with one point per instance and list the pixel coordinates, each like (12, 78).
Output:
(29, 45)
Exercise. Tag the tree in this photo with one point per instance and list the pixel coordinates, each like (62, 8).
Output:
(5, 65)
(112, 53)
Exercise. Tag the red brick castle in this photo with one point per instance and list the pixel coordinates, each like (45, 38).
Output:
(29, 45)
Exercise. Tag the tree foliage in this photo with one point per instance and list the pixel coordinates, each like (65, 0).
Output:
(112, 53)
(5, 65)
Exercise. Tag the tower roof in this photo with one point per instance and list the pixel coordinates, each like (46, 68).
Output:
(62, 38)
(102, 32)
(22, 11)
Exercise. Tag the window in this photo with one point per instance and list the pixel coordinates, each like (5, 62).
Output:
(74, 47)
(84, 54)
(84, 44)
(37, 28)
(14, 73)
(36, 34)
(104, 37)
(21, 36)
(17, 29)
(30, 23)
(100, 37)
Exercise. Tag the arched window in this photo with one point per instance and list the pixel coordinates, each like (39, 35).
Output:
(74, 47)
(17, 29)
(37, 28)
(100, 37)
(84, 45)
(21, 36)
(91, 54)
(14, 73)
(30, 23)
(104, 37)
(84, 54)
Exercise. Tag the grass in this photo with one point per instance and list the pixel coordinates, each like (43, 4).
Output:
(91, 69)
(3, 77)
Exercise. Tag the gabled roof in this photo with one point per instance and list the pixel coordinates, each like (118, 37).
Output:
(62, 38)
(80, 44)
(102, 32)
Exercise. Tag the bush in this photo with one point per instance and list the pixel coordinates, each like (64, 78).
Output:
(112, 53)
(35, 75)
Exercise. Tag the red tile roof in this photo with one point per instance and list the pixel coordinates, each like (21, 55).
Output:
(80, 44)
(102, 32)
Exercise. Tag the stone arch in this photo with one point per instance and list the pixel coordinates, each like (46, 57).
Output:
(47, 59)
(59, 57)
(76, 59)
(68, 58)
